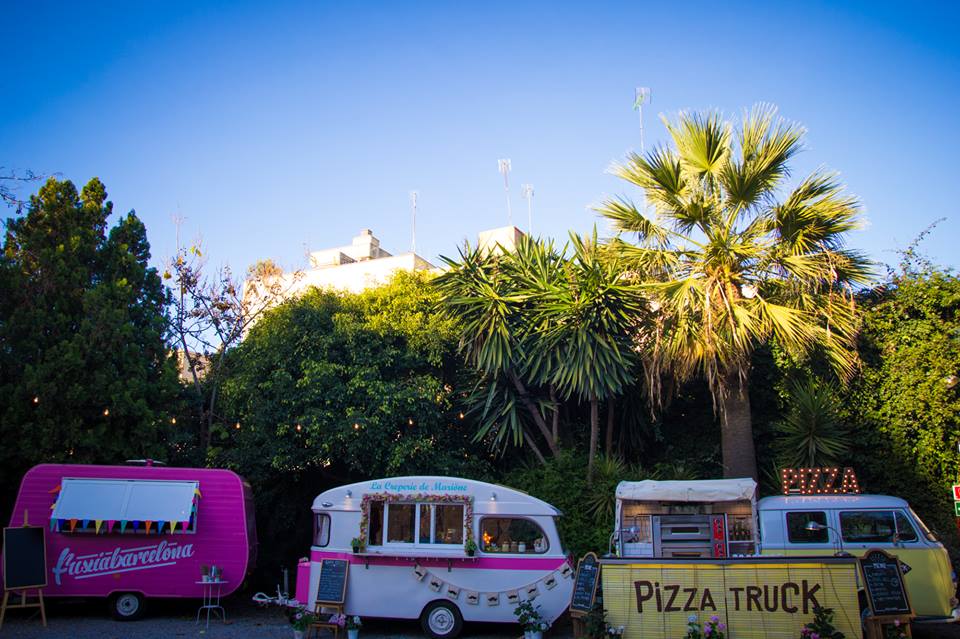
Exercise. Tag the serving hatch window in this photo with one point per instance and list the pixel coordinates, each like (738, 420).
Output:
(512, 535)
(401, 523)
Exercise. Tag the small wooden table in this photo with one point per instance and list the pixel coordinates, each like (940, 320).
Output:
(211, 599)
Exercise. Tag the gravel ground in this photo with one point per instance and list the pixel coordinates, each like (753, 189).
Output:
(169, 620)
(172, 619)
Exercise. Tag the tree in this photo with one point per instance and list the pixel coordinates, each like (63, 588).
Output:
(211, 312)
(730, 265)
(85, 372)
(579, 330)
(331, 388)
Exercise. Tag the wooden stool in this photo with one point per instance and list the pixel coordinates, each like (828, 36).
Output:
(875, 624)
(318, 613)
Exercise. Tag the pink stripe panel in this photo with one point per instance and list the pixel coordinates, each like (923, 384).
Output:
(488, 563)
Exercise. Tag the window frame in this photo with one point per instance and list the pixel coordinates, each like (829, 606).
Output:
(416, 543)
(546, 537)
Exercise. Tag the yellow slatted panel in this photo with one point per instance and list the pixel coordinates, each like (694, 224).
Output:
(755, 600)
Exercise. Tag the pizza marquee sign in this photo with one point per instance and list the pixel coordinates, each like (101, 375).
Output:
(819, 481)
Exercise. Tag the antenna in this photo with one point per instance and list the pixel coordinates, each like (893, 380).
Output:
(526, 191)
(641, 96)
(414, 196)
(503, 166)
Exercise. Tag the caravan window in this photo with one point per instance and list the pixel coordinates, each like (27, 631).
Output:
(512, 534)
(375, 524)
(400, 518)
(321, 530)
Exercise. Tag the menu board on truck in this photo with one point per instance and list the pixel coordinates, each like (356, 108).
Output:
(883, 577)
(585, 584)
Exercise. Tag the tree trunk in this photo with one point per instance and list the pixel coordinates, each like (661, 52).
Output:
(594, 435)
(555, 426)
(608, 444)
(533, 446)
(535, 413)
(736, 429)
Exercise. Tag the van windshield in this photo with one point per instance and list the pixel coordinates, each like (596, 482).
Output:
(926, 531)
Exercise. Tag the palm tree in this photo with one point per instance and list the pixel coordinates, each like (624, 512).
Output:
(811, 433)
(732, 261)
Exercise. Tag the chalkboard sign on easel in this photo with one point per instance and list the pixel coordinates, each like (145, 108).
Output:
(883, 578)
(332, 586)
(585, 584)
(24, 567)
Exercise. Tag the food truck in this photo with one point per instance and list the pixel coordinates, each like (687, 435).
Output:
(687, 519)
(688, 552)
(857, 523)
(441, 549)
(135, 532)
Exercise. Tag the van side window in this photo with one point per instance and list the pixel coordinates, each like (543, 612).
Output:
(904, 529)
(513, 535)
(867, 526)
(321, 530)
(797, 532)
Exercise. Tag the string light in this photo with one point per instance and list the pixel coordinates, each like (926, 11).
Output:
(106, 412)
(356, 426)
(36, 400)
(461, 415)
(237, 426)
(410, 421)
(299, 428)
(173, 420)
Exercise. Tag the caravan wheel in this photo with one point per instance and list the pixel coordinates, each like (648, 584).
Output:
(441, 620)
(126, 606)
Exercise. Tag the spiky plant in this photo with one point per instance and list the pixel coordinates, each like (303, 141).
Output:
(811, 433)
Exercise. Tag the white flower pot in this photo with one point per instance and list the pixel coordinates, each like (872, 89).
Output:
(536, 634)
(353, 634)
(298, 634)
(527, 633)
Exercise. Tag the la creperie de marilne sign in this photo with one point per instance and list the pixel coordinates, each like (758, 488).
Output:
(819, 481)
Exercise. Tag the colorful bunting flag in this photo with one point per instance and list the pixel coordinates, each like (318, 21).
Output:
(61, 524)
(123, 525)
(96, 525)
(196, 491)
(73, 524)
(185, 526)
(55, 489)
(110, 523)
(53, 524)
(149, 523)
(136, 525)
(173, 527)
(160, 526)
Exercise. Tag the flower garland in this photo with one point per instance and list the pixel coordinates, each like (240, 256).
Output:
(465, 500)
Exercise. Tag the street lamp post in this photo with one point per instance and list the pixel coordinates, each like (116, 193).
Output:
(503, 165)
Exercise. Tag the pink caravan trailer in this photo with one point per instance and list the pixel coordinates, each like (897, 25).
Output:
(132, 532)
(441, 549)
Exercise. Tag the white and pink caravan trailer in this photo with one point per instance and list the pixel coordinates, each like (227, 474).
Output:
(136, 532)
(418, 558)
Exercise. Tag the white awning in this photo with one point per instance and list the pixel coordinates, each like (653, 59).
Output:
(706, 490)
(125, 500)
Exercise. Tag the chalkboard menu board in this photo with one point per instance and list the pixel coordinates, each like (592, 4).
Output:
(585, 583)
(332, 588)
(24, 558)
(884, 580)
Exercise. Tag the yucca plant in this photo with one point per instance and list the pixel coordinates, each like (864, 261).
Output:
(811, 434)
(732, 259)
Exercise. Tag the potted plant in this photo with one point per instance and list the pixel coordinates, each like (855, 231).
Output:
(353, 624)
(470, 547)
(529, 617)
(300, 621)
(357, 544)
(713, 629)
(615, 632)
(204, 572)
(822, 626)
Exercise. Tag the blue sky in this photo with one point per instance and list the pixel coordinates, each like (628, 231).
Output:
(278, 127)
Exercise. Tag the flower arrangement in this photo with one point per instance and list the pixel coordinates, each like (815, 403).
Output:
(822, 626)
(338, 619)
(357, 544)
(353, 622)
(301, 619)
(529, 617)
(712, 629)
(470, 547)
(614, 632)
(894, 631)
